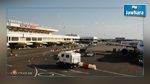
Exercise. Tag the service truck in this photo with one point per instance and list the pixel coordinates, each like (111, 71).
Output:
(68, 59)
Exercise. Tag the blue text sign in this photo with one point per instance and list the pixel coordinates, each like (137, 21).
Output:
(135, 10)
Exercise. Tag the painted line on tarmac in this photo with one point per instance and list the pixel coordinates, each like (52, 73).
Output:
(32, 58)
(59, 74)
(10, 65)
(79, 71)
(36, 71)
(50, 74)
(45, 59)
(29, 61)
(65, 71)
(42, 69)
(40, 74)
(115, 73)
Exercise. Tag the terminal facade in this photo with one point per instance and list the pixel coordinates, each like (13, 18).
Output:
(21, 33)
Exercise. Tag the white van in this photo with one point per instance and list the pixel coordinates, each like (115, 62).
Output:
(68, 59)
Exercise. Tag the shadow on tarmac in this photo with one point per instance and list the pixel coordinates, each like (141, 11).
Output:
(118, 58)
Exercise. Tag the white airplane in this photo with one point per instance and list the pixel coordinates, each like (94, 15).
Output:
(140, 47)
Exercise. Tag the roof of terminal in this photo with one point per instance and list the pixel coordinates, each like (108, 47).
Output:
(20, 24)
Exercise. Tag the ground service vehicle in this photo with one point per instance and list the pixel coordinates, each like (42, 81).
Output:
(84, 52)
(68, 59)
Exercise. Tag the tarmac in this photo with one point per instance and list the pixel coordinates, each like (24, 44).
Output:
(41, 62)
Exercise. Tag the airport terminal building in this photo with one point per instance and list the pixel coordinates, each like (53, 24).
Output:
(89, 40)
(19, 33)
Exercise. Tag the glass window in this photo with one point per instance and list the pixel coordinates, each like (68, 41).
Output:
(33, 39)
(9, 38)
(67, 56)
(62, 55)
(28, 39)
(15, 39)
(39, 39)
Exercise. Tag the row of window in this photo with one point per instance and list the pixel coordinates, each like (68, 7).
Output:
(29, 31)
(67, 39)
(53, 39)
(67, 56)
(27, 39)
(36, 39)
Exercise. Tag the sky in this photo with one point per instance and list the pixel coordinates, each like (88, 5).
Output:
(101, 18)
